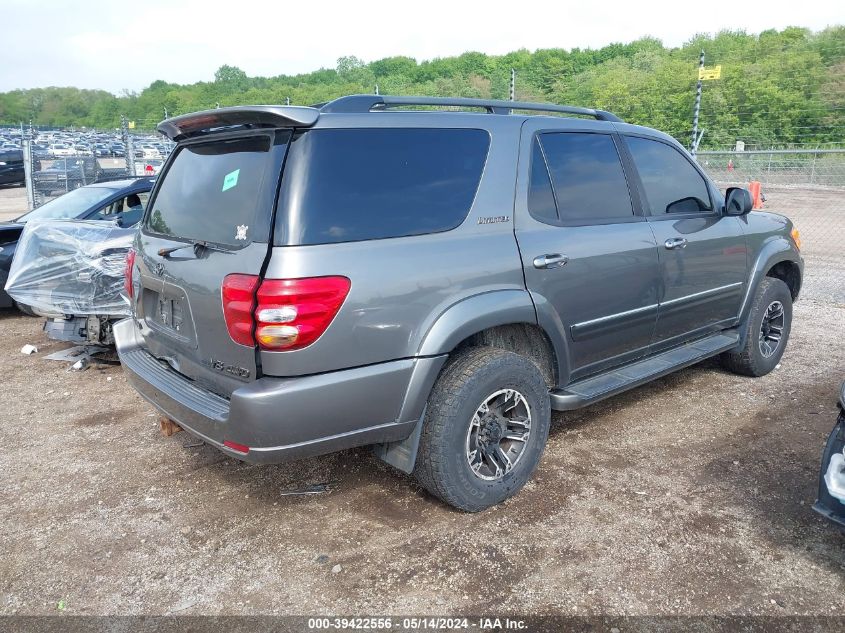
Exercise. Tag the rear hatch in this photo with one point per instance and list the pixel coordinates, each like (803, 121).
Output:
(209, 216)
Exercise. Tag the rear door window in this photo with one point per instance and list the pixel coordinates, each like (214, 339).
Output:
(671, 183)
(587, 177)
(344, 185)
(214, 192)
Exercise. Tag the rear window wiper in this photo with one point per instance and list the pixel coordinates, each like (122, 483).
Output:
(197, 245)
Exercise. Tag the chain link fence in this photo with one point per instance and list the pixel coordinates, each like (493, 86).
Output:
(53, 168)
(806, 185)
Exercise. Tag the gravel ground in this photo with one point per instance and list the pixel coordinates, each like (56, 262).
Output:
(688, 496)
(12, 202)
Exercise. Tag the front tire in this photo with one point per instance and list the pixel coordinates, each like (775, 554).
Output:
(485, 428)
(767, 331)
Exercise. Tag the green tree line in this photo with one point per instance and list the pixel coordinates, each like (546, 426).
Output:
(777, 87)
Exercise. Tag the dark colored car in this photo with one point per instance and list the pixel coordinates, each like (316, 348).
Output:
(120, 200)
(831, 501)
(11, 167)
(66, 174)
(435, 283)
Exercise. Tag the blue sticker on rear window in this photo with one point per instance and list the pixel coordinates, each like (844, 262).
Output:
(230, 180)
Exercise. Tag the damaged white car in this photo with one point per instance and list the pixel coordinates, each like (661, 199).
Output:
(72, 273)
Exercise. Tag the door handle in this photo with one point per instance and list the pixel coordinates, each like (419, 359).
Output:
(554, 260)
(675, 242)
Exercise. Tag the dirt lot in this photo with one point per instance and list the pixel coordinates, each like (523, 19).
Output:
(12, 202)
(689, 496)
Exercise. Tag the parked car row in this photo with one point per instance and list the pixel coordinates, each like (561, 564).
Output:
(65, 143)
(306, 280)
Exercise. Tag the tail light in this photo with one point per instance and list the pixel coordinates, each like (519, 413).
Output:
(285, 314)
(127, 273)
(238, 302)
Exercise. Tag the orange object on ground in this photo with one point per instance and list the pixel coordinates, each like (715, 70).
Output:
(756, 193)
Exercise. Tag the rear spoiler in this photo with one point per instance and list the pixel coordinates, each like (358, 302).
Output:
(186, 126)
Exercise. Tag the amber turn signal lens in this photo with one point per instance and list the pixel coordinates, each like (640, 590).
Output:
(277, 335)
(796, 237)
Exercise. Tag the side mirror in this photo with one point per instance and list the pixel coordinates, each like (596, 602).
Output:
(738, 201)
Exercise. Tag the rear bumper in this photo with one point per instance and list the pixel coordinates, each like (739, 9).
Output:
(281, 419)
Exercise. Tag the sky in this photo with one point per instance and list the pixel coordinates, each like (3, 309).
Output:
(116, 45)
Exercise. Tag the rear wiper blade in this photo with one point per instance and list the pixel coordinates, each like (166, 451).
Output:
(197, 245)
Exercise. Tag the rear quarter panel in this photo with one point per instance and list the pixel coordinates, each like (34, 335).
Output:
(401, 286)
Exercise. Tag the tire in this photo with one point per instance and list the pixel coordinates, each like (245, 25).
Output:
(760, 354)
(453, 426)
(22, 307)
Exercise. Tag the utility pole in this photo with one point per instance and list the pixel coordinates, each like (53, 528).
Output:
(26, 146)
(376, 88)
(165, 112)
(287, 100)
(694, 143)
(129, 149)
(513, 85)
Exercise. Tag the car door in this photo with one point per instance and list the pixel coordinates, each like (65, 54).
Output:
(703, 258)
(587, 252)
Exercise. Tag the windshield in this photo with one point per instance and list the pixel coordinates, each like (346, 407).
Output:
(71, 205)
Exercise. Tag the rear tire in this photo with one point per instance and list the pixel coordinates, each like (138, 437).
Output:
(485, 428)
(766, 331)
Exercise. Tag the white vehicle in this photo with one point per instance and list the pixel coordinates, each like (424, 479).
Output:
(150, 151)
(61, 149)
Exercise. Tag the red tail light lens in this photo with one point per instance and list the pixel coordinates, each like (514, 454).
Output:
(238, 302)
(293, 313)
(289, 313)
(127, 273)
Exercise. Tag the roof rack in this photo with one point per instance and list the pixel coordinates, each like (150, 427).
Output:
(367, 103)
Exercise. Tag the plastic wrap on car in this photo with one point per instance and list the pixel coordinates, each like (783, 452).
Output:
(65, 267)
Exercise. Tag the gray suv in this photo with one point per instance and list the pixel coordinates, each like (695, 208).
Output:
(433, 277)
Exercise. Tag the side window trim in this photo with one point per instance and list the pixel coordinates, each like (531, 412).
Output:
(539, 144)
(628, 160)
(638, 209)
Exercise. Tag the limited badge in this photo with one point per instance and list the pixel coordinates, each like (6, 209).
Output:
(240, 232)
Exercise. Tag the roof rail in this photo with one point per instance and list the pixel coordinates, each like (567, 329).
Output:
(366, 103)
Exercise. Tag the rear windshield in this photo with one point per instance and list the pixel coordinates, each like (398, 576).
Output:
(344, 185)
(213, 192)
